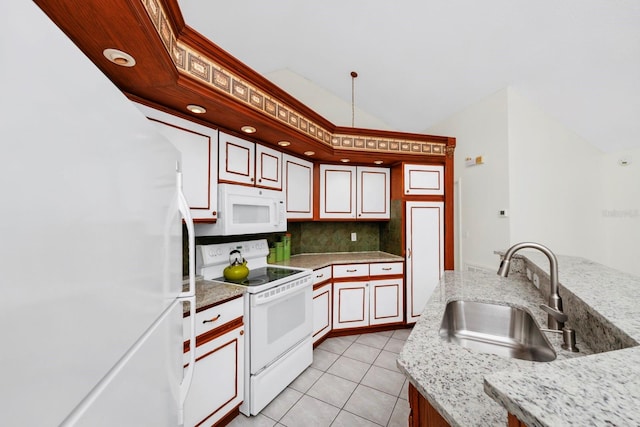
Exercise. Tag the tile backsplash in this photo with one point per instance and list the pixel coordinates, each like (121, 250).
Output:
(320, 237)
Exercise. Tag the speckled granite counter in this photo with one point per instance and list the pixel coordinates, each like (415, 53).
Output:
(210, 293)
(315, 261)
(473, 389)
(602, 389)
(450, 376)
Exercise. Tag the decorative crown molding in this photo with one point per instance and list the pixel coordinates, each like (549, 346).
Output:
(193, 62)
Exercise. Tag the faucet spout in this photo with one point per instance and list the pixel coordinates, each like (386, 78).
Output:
(555, 302)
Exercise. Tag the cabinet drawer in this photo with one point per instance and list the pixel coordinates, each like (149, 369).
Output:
(386, 268)
(350, 270)
(321, 275)
(216, 316)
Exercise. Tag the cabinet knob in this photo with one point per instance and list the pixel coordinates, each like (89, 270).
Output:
(213, 319)
(214, 213)
(319, 276)
(242, 332)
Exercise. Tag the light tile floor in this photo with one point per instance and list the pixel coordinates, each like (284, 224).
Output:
(353, 382)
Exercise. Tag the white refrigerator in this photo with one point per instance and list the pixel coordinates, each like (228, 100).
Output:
(90, 242)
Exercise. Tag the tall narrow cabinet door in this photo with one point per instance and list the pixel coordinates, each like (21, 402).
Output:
(298, 187)
(236, 159)
(425, 253)
(268, 167)
(373, 192)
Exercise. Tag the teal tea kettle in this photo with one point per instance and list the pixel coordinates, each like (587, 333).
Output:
(237, 269)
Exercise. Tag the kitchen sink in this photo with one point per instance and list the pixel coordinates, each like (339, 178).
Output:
(494, 328)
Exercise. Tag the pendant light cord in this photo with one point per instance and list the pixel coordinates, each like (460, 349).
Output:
(353, 97)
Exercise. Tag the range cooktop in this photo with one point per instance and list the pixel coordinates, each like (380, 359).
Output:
(260, 276)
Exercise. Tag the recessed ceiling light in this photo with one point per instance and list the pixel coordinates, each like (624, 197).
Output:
(248, 129)
(196, 109)
(284, 143)
(345, 160)
(378, 162)
(119, 57)
(309, 153)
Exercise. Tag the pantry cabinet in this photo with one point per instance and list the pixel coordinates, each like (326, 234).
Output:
(354, 192)
(245, 162)
(217, 387)
(424, 253)
(198, 146)
(363, 295)
(322, 303)
(298, 186)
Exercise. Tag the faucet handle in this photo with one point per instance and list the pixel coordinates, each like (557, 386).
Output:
(556, 314)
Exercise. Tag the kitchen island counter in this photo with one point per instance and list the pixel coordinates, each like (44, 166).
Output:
(469, 388)
(319, 260)
(601, 389)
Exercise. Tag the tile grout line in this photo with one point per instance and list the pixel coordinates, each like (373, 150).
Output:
(358, 383)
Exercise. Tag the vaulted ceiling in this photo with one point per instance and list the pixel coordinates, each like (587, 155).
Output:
(419, 61)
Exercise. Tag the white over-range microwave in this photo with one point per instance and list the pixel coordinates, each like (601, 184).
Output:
(246, 210)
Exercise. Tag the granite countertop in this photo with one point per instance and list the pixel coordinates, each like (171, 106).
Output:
(315, 261)
(474, 389)
(451, 377)
(209, 293)
(601, 389)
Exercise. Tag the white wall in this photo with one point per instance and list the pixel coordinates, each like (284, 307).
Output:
(621, 211)
(480, 130)
(559, 190)
(325, 103)
(556, 183)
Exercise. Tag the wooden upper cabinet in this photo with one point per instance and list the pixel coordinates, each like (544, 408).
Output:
(268, 167)
(337, 191)
(423, 180)
(354, 192)
(236, 159)
(298, 186)
(198, 146)
(245, 162)
(373, 193)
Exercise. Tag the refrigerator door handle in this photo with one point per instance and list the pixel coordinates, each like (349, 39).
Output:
(189, 297)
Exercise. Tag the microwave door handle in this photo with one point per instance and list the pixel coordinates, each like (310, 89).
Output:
(189, 297)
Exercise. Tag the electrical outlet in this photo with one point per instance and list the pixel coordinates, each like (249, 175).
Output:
(536, 281)
(354, 237)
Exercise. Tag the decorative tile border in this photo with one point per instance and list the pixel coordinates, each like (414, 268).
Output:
(198, 66)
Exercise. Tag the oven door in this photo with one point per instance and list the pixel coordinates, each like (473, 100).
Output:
(278, 322)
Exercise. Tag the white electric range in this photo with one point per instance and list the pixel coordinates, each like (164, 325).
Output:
(278, 312)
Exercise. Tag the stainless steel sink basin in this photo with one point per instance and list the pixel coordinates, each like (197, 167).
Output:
(493, 328)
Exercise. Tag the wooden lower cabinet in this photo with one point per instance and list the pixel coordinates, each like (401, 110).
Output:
(422, 414)
(513, 421)
(322, 317)
(217, 387)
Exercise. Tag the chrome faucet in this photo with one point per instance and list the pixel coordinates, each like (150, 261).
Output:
(556, 317)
